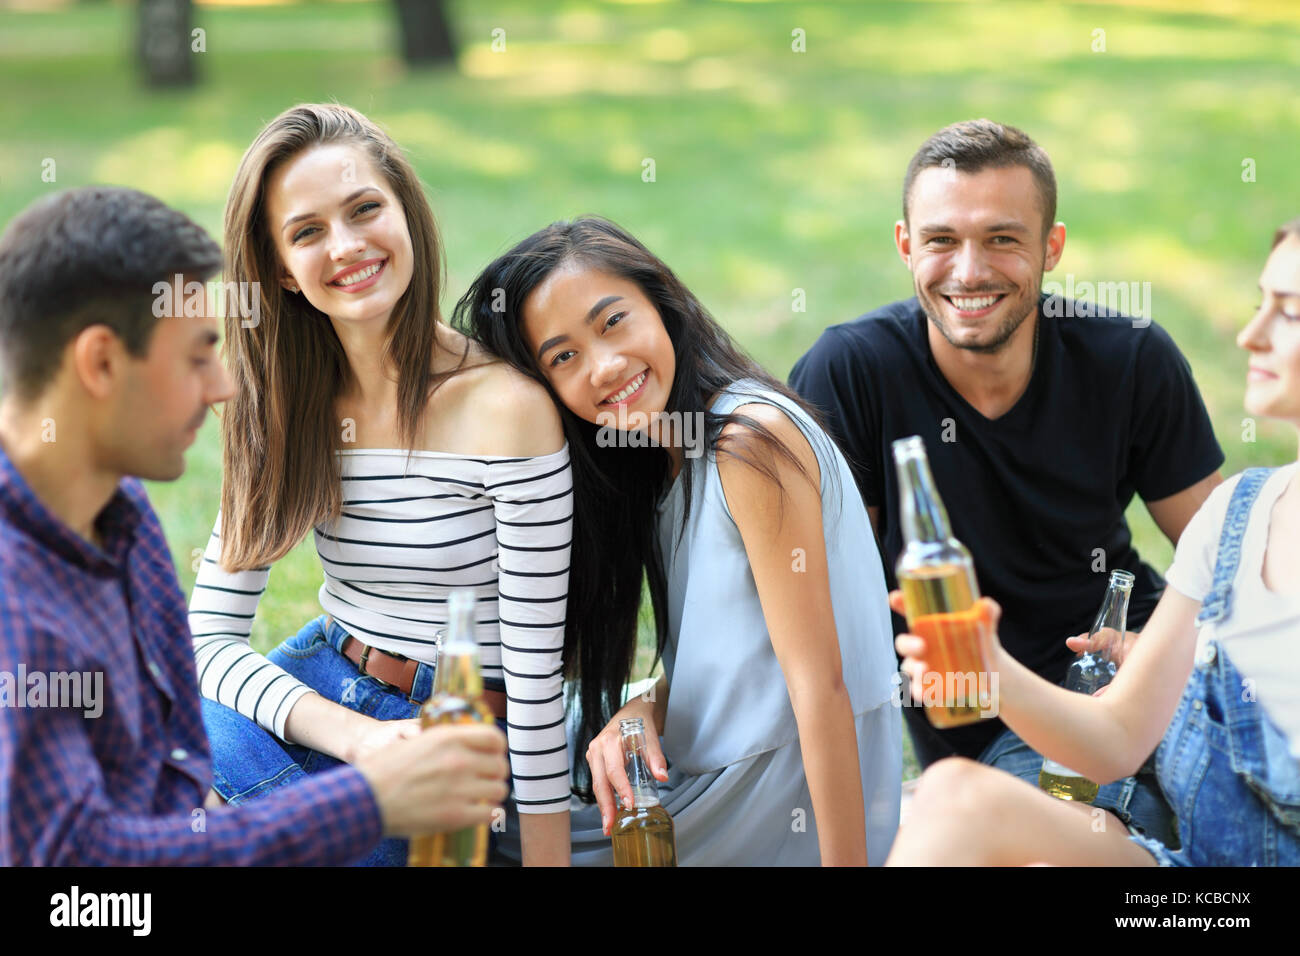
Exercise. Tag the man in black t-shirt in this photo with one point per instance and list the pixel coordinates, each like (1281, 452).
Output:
(1041, 418)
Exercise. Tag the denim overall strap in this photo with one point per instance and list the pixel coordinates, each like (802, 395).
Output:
(1223, 767)
(1218, 603)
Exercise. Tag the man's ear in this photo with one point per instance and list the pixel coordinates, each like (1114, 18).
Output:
(1054, 247)
(98, 360)
(903, 242)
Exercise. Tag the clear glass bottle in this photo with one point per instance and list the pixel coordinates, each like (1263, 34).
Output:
(457, 698)
(642, 834)
(937, 577)
(1092, 670)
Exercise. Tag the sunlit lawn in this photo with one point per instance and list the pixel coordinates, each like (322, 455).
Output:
(774, 170)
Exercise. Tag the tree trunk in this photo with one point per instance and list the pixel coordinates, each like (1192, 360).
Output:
(426, 32)
(164, 42)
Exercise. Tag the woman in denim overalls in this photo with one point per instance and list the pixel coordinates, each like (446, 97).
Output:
(1229, 759)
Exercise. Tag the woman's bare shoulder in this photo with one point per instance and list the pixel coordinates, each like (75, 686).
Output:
(509, 413)
(527, 422)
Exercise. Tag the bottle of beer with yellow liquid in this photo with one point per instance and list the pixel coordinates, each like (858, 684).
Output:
(642, 833)
(457, 698)
(1092, 670)
(937, 577)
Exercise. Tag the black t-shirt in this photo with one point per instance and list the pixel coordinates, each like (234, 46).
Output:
(1037, 495)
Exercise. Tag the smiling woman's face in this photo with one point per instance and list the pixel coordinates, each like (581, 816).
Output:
(340, 232)
(600, 343)
(1273, 337)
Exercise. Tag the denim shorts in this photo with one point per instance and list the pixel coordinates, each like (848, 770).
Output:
(248, 762)
(1229, 775)
(1137, 800)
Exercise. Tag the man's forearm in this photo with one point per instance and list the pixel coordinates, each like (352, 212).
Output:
(331, 819)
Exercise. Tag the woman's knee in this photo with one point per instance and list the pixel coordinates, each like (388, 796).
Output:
(958, 789)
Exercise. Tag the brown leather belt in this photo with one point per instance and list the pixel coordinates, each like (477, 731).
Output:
(399, 672)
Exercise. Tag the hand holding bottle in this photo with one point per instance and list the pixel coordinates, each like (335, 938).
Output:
(443, 778)
(937, 575)
(605, 757)
(1119, 650)
(1100, 652)
(455, 702)
(912, 648)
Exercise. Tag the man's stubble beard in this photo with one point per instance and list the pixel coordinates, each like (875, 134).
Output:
(1004, 331)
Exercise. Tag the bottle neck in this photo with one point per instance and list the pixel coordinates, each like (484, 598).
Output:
(458, 675)
(923, 517)
(1112, 619)
(457, 672)
(645, 792)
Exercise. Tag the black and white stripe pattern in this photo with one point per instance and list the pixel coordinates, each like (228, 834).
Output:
(410, 532)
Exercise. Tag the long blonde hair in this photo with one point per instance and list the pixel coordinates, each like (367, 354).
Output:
(280, 474)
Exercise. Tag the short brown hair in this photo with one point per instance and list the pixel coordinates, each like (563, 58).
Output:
(84, 257)
(975, 145)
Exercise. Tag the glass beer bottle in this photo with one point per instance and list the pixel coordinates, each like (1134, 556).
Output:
(457, 698)
(937, 577)
(642, 833)
(1092, 670)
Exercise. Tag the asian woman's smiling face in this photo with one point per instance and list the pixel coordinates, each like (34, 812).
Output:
(601, 344)
(340, 232)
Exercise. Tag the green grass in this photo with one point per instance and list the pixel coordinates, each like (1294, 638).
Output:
(774, 170)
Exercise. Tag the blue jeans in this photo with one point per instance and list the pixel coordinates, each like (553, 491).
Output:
(1228, 774)
(1137, 800)
(248, 762)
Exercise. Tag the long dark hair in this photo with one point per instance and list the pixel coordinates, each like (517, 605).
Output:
(616, 490)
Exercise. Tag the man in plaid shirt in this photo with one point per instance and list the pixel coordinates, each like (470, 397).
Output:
(103, 756)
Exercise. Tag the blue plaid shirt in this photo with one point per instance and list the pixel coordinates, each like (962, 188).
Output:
(127, 786)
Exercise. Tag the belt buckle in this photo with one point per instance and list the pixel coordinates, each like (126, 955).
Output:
(361, 666)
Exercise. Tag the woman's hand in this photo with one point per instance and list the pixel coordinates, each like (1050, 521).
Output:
(913, 649)
(1118, 649)
(373, 735)
(605, 757)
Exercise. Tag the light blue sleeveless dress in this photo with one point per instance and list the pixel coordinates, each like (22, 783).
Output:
(736, 789)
